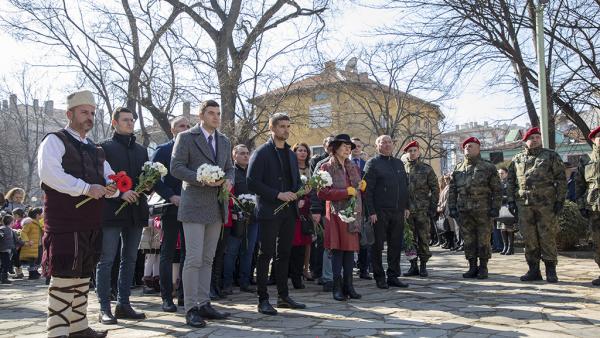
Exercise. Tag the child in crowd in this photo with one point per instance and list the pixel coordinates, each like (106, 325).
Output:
(31, 234)
(18, 216)
(150, 246)
(8, 242)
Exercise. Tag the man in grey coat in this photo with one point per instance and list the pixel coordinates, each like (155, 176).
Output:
(200, 210)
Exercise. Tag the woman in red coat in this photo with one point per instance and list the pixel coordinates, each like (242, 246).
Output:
(341, 237)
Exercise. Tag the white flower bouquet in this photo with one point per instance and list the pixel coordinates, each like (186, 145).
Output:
(151, 173)
(348, 215)
(246, 202)
(321, 179)
(209, 174)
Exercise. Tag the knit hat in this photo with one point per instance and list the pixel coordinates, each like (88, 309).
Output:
(80, 98)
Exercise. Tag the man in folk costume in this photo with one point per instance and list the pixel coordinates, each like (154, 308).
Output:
(71, 167)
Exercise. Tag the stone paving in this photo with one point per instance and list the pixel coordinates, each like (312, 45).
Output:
(443, 305)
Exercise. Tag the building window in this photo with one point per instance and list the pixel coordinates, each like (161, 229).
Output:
(317, 150)
(319, 116)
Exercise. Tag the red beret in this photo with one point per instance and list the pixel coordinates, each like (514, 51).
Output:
(534, 130)
(471, 139)
(593, 133)
(411, 144)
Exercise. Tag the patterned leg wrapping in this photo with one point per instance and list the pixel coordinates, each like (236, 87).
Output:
(78, 317)
(60, 299)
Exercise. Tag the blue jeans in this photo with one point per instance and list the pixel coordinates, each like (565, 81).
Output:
(130, 239)
(497, 243)
(327, 269)
(235, 248)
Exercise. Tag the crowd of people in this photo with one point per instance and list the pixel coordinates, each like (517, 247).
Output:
(197, 247)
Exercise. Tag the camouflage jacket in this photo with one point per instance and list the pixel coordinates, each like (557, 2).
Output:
(423, 188)
(537, 177)
(475, 185)
(587, 182)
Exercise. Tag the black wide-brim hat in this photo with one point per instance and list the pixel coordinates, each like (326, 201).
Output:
(342, 138)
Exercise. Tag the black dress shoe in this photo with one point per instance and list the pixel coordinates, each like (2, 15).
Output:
(180, 302)
(193, 318)
(168, 306)
(266, 308)
(327, 286)
(89, 333)
(247, 288)
(288, 302)
(206, 311)
(394, 281)
(382, 284)
(106, 317)
(125, 311)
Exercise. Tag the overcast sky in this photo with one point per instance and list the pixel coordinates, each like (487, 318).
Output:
(350, 27)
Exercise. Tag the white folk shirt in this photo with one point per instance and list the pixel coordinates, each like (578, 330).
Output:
(51, 171)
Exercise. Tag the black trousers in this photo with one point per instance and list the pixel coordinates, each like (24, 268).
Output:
(316, 257)
(171, 228)
(4, 262)
(389, 228)
(364, 258)
(216, 280)
(275, 241)
(297, 261)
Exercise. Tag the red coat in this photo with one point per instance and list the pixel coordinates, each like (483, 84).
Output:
(336, 234)
(301, 239)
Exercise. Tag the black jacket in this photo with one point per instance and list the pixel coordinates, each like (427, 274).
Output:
(314, 161)
(123, 154)
(387, 184)
(240, 186)
(265, 178)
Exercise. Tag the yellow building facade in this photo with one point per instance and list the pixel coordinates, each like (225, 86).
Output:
(344, 101)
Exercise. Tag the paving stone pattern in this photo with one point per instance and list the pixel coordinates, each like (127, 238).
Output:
(443, 305)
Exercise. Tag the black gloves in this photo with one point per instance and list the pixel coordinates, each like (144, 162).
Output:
(512, 208)
(493, 213)
(454, 213)
(558, 206)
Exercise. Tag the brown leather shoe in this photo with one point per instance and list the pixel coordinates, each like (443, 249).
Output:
(89, 333)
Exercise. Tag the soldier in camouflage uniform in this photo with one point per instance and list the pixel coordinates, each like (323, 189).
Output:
(537, 188)
(474, 199)
(423, 198)
(587, 185)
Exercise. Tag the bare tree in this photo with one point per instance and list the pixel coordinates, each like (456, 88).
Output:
(234, 27)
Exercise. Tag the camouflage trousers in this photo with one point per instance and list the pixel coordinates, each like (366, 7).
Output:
(476, 230)
(539, 227)
(421, 227)
(595, 226)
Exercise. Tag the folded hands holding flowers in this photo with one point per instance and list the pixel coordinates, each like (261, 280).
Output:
(151, 172)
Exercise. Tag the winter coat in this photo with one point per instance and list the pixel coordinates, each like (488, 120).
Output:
(32, 231)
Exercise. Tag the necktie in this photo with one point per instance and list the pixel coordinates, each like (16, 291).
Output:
(212, 149)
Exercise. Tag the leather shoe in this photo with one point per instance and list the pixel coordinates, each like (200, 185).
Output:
(193, 318)
(89, 333)
(180, 302)
(365, 275)
(208, 312)
(106, 317)
(381, 284)
(288, 302)
(266, 308)
(327, 286)
(125, 311)
(394, 281)
(168, 306)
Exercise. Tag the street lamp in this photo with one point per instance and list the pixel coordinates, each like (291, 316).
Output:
(542, 71)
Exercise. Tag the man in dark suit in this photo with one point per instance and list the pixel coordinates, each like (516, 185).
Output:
(274, 176)
(200, 210)
(169, 188)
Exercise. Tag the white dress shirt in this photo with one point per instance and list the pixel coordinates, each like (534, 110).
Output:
(51, 171)
(206, 135)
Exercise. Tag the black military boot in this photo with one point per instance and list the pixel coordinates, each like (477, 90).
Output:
(338, 293)
(423, 269)
(472, 273)
(551, 272)
(413, 270)
(533, 274)
(482, 271)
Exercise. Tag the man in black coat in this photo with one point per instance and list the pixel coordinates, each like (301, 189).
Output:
(169, 188)
(387, 206)
(123, 154)
(274, 176)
